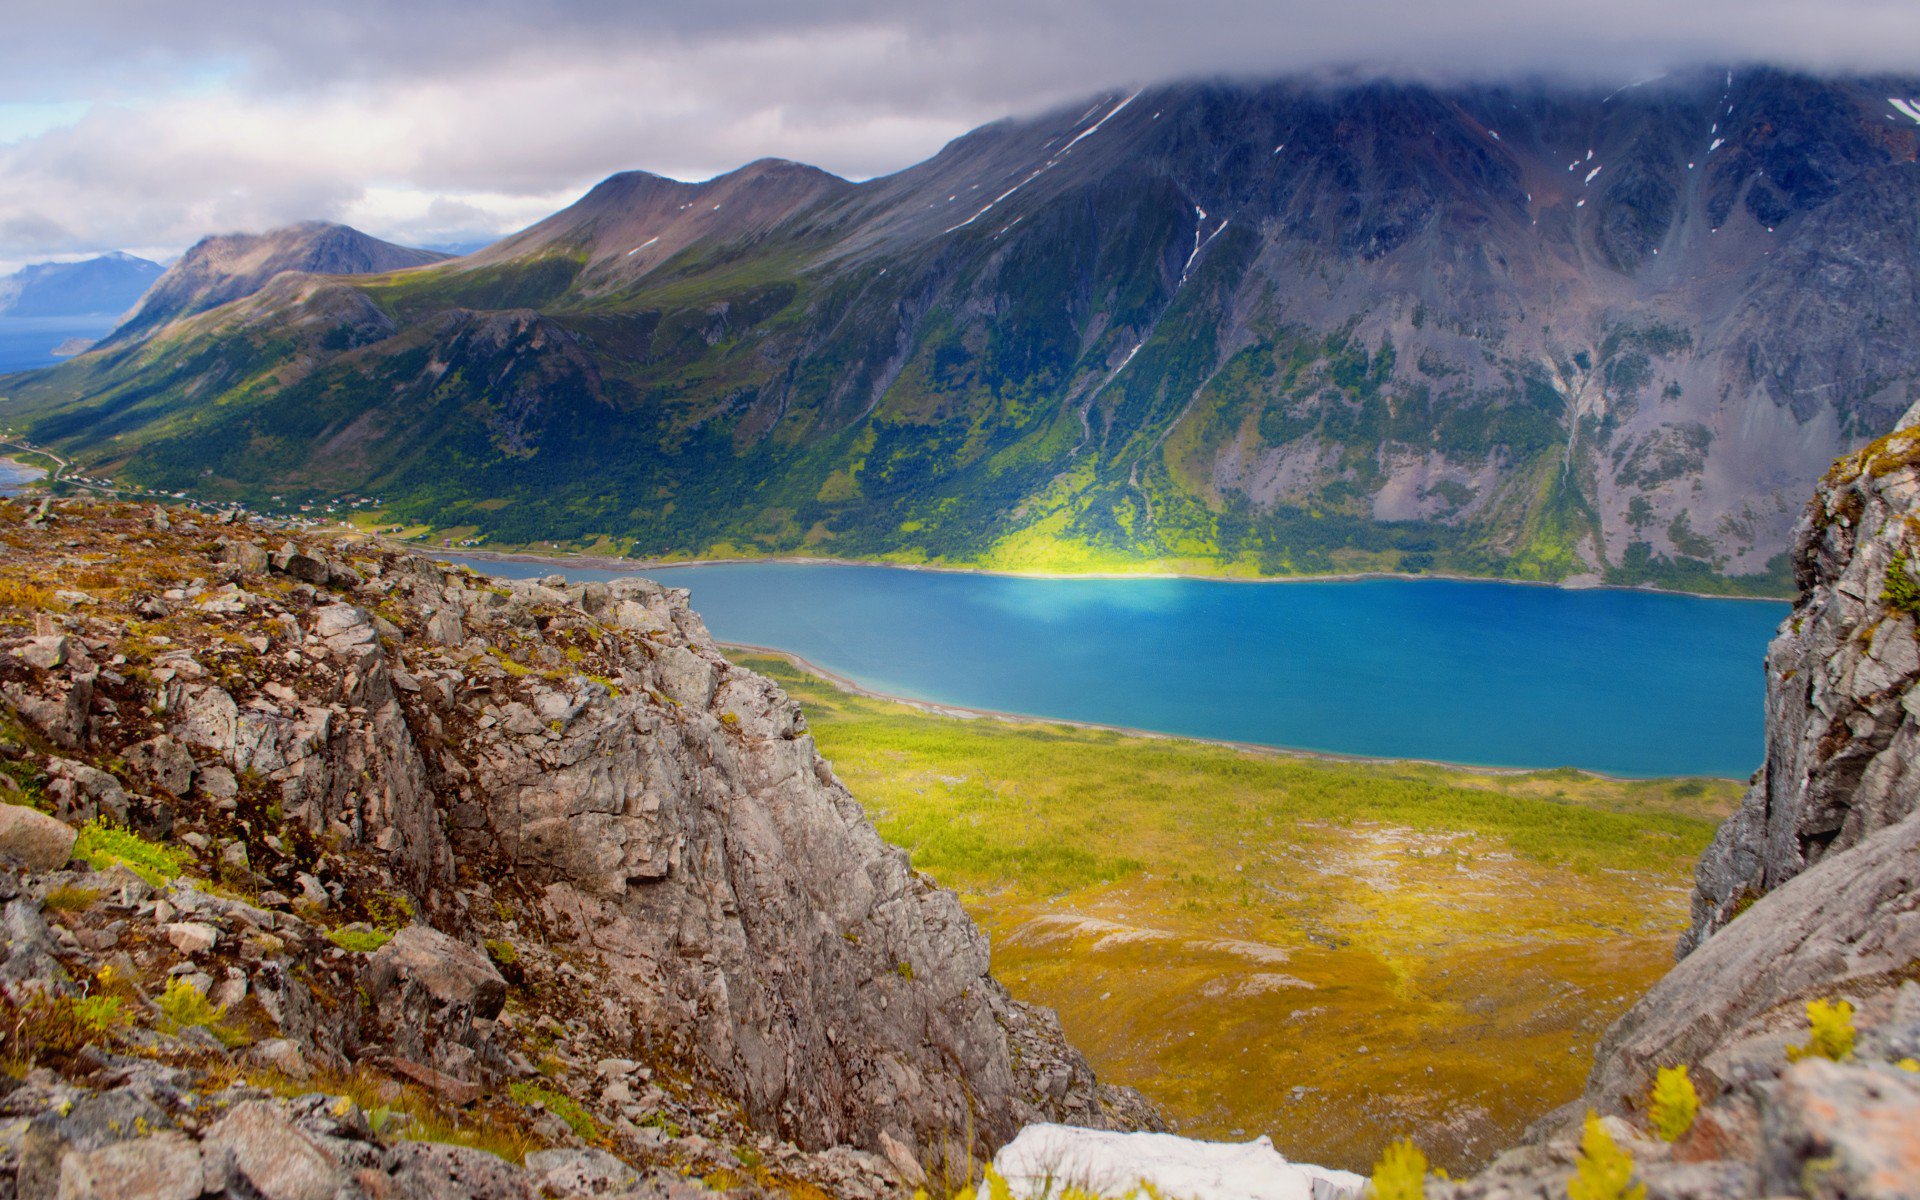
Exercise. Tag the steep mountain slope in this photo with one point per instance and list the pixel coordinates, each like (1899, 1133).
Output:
(619, 883)
(110, 283)
(231, 266)
(1527, 330)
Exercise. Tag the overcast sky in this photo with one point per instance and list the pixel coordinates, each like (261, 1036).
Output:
(142, 125)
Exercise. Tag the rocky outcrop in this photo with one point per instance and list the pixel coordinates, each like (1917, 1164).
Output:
(1810, 892)
(532, 850)
(1843, 716)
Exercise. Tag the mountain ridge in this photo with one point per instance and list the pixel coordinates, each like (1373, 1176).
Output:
(108, 283)
(1287, 328)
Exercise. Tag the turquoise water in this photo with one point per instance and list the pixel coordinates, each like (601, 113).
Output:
(1628, 683)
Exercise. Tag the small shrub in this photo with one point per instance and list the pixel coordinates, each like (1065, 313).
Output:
(101, 844)
(1674, 1103)
(1401, 1173)
(1605, 1171)
(52, 1030)
(1830, 1030)
(68, 898)
(185, 1005)
(1901, 594)
(359, 938)
(567, 1109)
(502, 952)
(390, 911)
(904, 970)
(661, 1122)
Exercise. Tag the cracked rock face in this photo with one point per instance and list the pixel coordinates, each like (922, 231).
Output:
(1843, 713)
(1810, 891)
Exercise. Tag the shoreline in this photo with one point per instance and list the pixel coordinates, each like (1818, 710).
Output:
(598, 562)
(962, 712)
(16, 476)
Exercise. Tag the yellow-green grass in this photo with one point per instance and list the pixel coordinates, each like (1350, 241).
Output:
(1425, 949)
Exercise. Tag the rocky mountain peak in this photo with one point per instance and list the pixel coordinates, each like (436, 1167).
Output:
(226, 267)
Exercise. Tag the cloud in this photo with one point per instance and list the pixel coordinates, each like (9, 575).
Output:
(434, 120)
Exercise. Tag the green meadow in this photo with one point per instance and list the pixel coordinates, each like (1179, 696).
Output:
(1333, 953)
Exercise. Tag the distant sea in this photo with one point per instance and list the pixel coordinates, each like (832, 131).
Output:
(28, 342)
(1622, 682)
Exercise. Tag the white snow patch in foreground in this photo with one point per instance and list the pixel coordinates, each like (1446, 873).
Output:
(1909, 107)
(1044, 1157)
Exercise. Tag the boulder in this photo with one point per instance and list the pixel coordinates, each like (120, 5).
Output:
(192, 937)
(435, 1171)
(275, 1159)
(162, 1167)
(45, 653)
(39, 842)
(579, 1173)
(449, 970)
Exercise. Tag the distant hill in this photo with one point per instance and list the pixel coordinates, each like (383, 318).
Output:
(111, 283)
(231, 266)
(1528, 330)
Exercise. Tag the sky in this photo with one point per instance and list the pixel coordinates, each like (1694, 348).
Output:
(135, 125)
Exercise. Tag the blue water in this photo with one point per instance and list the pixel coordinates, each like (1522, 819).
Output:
(14, 477)
(28, 342)
(1628, 683)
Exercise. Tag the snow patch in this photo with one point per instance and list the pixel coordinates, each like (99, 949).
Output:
(1717, 143)
(1088, 132)
(1095, 128)
(1199, 242)
(1909, 108)
(642, 246)
(1044, 1157)
(1591, 174)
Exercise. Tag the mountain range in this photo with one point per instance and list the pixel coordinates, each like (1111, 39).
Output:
(1528, 330)
(110, 283)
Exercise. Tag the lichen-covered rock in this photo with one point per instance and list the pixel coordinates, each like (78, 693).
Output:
(398, 764)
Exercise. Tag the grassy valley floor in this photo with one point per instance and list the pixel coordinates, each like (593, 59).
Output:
(1333, 953)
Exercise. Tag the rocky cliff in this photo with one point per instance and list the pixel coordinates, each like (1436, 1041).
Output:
(1810, 892)
(524, 866)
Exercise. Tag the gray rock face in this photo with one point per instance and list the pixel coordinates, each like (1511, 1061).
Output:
(1807, 893)
(1845, 927)
(1843, 712)
(686, 833)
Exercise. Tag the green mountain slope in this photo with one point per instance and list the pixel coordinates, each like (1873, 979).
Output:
(1254, 329)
